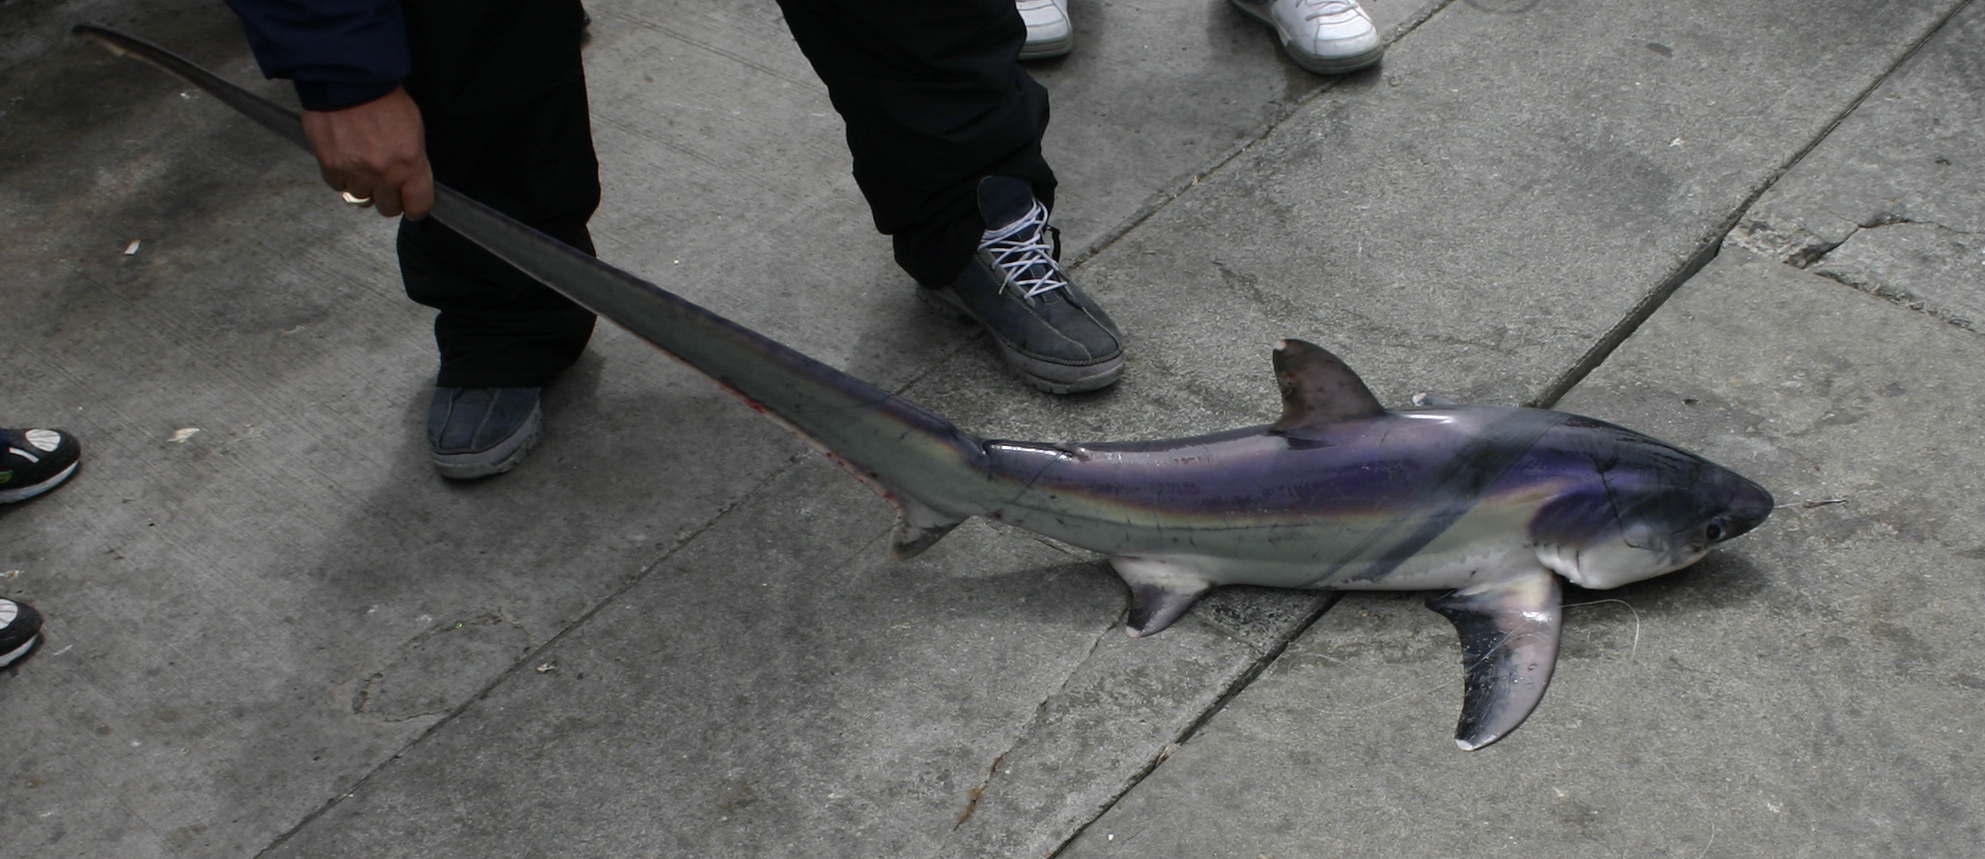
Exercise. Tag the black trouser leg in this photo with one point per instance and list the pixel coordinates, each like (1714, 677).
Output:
(502, 93)
(934, 99)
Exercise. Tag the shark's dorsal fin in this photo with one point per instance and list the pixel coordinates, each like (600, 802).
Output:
(1317, 389)
(1509, 644)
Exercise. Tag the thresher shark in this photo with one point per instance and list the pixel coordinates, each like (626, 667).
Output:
(1493, 506)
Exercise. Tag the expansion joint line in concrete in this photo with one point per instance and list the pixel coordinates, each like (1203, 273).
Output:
(1711, 243)
(537, 653)
(1167, 197)
(1235, 687)
(1246, 678)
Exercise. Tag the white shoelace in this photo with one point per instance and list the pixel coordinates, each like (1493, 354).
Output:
(1324, 8)
(1024, 257)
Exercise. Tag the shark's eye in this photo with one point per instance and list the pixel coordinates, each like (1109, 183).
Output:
(1714, 531)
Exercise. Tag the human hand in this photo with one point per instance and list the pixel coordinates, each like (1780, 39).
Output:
(377, 151)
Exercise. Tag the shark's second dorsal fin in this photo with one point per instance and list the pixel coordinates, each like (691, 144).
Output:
(1317, 389)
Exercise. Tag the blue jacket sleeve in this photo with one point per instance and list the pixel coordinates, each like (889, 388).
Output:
(338, 53)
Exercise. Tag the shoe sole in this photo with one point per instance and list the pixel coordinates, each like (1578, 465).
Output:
(1318, 65)
(1335, 66)
(24, 619)
(24, 493)
(1048, 50)
(17, 654)
(496, 460)
(1066, 378)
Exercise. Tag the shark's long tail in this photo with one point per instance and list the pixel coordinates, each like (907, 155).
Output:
(914, 457)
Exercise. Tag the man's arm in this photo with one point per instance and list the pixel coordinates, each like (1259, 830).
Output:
(347, 59)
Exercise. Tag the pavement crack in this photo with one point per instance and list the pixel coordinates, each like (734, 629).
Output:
(1789, 241)
(1708, 246)
(1900, 297)
(1264, 658)
(1792, 245)
(1888, 219)
(1040, 715)
(978, 792)
(363, 697)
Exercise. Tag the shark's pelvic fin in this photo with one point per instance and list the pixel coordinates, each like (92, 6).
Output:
(1160, 591)
(1427, 400)
(1317, 389)
(1509, 642)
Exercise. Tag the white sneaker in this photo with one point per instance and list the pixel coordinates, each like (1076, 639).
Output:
(1048, 32)
(1329, 37)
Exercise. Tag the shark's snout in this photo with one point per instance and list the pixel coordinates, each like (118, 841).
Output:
(1749, 505)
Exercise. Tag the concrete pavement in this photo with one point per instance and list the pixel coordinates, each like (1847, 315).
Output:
(675, 631)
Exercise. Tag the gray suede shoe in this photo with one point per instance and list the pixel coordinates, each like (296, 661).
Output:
(477, 432)
(1049, 331)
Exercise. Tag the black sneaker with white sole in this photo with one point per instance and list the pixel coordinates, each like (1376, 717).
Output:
(33, 461)
(1046, 328)
(20, 631)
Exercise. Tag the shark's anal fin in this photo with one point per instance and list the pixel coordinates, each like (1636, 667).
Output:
(1160, 591)
(918, 526)
(1509, 642)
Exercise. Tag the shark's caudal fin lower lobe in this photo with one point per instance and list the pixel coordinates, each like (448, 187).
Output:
(914, 457)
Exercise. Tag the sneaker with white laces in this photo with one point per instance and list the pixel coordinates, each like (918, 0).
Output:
(1329, 37)
(1049, 331)
(1049, 33)
(20, 630)
(33, 461)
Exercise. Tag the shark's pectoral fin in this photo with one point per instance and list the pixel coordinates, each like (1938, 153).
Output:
(1160, 591)
(1509, 641)
(918, 526)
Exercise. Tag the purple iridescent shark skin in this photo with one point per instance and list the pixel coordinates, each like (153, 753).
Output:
(1491, 505)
